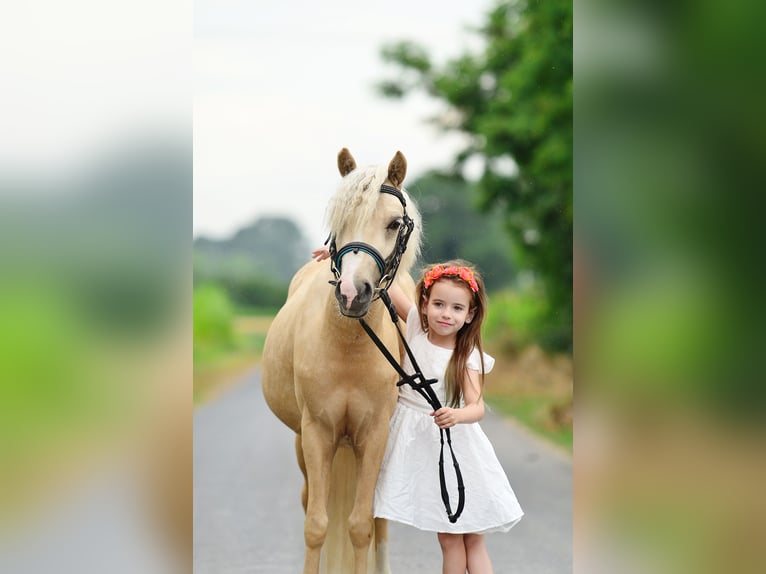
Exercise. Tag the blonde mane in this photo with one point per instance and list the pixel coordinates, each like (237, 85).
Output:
(354, 203)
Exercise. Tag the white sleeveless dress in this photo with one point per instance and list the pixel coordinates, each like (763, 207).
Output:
(408, 488)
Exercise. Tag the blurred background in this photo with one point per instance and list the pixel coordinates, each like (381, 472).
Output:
(95, 287)
(111, 112)
(97, 255)
(669, 130)
(478, 98)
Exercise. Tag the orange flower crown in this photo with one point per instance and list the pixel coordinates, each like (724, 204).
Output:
(439, 271)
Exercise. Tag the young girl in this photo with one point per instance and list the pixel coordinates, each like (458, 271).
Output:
(444, 333)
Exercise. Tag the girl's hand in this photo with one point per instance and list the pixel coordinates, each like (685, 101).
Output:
(446, 417)
(320, 254)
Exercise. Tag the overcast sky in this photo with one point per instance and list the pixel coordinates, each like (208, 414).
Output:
(281, 87)
(277, 87)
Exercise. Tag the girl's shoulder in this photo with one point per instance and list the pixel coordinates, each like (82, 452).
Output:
(474, 361)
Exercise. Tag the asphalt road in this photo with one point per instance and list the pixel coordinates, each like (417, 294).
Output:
(248, 517)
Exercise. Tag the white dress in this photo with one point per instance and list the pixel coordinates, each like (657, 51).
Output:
(408, 488)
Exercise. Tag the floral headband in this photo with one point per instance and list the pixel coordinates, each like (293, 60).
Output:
(439, 271)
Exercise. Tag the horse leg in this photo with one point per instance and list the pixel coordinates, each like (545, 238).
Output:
(318, 450)
(369, 455)
(302, 466)
(382, 565)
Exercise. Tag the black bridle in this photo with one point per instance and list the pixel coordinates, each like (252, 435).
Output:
(388, 268)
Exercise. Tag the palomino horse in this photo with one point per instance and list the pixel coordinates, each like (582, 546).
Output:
(324, 378)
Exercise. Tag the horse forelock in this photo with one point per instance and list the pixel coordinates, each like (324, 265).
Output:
(354, 203)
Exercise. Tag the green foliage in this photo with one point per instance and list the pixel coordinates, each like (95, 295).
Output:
(248, 292)
(514, 100)
(660, 337)
(230, 342)
(213, 317)
(254, 292)
(254, 266)
(59, 382)
(272, 249)
(42, 376)
(516, 318)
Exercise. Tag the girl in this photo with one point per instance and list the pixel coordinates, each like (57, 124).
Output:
(444, 333)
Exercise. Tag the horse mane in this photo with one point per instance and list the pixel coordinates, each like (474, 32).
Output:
(354, 204)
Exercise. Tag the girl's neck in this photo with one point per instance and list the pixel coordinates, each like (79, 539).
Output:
(443, 342)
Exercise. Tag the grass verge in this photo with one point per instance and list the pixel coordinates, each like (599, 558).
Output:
(217, 369)
(534, 412)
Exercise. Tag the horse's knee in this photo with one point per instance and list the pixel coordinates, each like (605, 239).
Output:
(315, 529)
(360, 530)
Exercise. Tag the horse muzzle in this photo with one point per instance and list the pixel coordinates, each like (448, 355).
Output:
(353, 298)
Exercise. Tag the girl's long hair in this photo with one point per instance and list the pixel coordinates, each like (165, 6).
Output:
(468, 337)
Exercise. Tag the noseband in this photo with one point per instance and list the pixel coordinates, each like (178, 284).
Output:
(388, 266)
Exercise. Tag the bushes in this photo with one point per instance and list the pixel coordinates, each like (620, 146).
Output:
(226, 343)
(516, 318)
(251, 292)
(213, 319)
(247, 292)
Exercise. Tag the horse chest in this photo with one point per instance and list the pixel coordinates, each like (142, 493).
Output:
(346, 383)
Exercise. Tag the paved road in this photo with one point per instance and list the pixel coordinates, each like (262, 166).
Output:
(248, 517)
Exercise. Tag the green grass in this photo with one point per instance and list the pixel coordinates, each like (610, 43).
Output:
(223, 347)
(215, 367)
(533, 412)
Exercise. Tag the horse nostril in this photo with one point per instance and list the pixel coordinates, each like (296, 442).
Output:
(367, 289)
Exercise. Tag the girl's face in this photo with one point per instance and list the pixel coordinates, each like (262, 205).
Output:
(448, 308)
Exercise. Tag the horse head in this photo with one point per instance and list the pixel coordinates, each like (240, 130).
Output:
(374, 230)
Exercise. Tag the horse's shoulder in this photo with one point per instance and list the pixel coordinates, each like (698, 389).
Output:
(304, 274)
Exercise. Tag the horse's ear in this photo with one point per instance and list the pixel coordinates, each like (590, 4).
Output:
(397, 169)
(346, 162)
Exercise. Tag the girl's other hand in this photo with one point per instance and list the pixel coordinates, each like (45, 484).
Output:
(320, 254)
(445, 417)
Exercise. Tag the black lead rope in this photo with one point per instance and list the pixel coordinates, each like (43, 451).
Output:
(423, 386)
(417, 381)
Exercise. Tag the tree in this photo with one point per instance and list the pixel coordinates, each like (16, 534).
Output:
(256, 264)
(453, 228)
(514, 101)
(271, 248)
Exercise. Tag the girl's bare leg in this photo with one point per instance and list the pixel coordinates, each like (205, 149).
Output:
(477, 557)
(453, 553)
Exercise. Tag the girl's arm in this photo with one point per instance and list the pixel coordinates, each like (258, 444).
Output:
(400, 301)
(473, 410)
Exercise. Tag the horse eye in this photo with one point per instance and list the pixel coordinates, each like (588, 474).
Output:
(394, 225)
